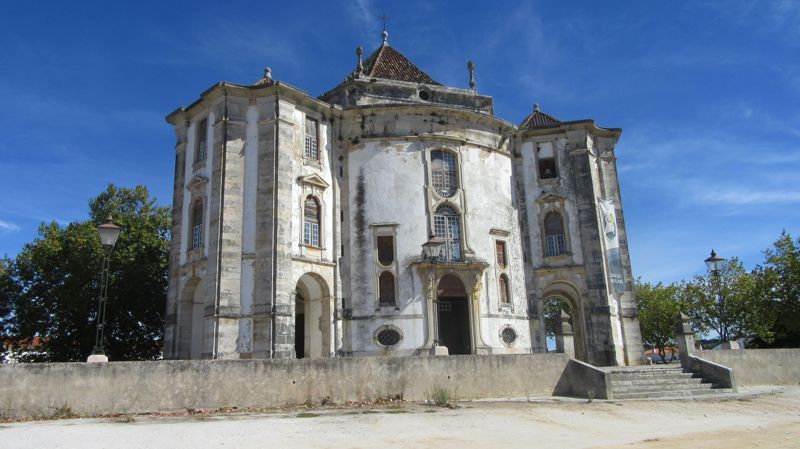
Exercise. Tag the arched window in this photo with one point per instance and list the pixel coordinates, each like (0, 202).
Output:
(386, 288)
(447, 226)
(554, 234)
(503, 284)
(311, 222)
(197, 224)
(444, 175)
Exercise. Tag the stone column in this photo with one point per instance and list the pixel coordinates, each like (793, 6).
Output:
(685, 337)
(565, 337)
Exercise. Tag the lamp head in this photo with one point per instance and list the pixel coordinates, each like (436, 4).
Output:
(109, 232)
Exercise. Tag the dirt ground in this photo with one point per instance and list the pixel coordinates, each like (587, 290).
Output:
(757, 419)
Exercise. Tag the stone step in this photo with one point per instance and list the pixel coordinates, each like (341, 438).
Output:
(690, 380)
(666, 394)
(646, 373)
(657, 387)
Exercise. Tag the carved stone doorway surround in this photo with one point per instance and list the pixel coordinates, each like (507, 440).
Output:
(471, 274)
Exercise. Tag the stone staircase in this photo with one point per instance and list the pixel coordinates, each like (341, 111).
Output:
(657, 381)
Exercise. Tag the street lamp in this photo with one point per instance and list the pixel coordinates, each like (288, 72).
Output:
(432, 248)
(715, 265)
(431, 251)
(109, 232)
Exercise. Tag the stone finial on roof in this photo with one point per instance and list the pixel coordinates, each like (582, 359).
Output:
(536, 107)
(471, 68)
(267, 77)
(360, 68)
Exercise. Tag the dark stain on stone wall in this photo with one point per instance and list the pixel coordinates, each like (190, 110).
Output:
(360, 222)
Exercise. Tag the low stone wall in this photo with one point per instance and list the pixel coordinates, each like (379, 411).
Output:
(759, 366)
(135, 387)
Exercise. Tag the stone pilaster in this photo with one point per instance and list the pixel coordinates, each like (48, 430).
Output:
(284, 283)
(230, 134)
(265, 229)
(629, 315)
(173, 294)
(601, 348)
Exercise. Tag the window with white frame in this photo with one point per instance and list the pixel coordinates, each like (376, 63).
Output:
(197, 224)
(311, 218)
(444, 173)
(312, 148)
(447, 226)
(554, 234)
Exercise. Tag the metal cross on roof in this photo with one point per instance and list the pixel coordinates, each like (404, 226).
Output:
(385, 19)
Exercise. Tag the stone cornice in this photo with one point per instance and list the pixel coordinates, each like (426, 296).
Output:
(218, 90)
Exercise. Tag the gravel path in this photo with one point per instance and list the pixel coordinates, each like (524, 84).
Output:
(765, 421)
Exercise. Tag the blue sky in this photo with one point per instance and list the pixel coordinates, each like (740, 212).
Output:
(706, 93)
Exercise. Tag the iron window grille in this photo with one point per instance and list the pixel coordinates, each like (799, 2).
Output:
(444, 173)
(447, 226)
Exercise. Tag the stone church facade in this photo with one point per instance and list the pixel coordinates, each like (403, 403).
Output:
(298, 224)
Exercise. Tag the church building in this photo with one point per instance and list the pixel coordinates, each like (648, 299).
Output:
(393, 216)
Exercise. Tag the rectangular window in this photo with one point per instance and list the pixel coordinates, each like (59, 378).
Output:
(547, 161)
(385, 250)
(500, 251)
(312, 150)
(556, 245)
(202, 136)
(197, 236)
(311, 234)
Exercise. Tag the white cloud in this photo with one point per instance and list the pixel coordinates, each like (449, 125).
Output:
(7, 226)
(366, 18)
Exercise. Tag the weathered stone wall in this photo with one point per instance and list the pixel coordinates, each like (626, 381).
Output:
(759, 366)
(136, 387)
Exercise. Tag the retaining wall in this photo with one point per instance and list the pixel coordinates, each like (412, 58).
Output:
(135, 387)
(759, 366)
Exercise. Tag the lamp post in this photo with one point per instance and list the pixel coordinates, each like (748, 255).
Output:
(109, 232)
(431, 251)
(715, 265)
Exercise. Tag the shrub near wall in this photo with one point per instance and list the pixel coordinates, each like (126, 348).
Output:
(28, 390)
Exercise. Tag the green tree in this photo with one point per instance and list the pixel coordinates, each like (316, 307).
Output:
(658, 306)
(729, 305)
(778, 282)
(58, 278)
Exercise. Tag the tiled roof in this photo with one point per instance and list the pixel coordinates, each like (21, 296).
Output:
(538, 119)
(388, 63)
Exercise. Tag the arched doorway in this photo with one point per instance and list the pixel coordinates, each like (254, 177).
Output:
(562, 327)
(453, 315)
(312, 318)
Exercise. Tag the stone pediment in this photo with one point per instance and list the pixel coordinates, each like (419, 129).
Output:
(551, 197)
(197, 183)
(314, 180)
